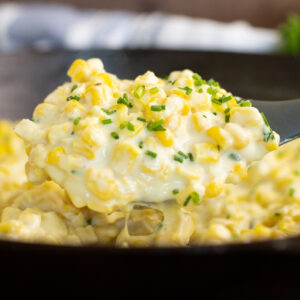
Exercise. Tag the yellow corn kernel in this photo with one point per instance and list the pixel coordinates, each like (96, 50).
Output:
(122, 113)
(200, 122)
(42, 110)
(124, 157)
(102, 184)
(221, 136)
(213, 189)
(27, 149)
(92, 136)
(78, 70)
(248, 116)
(206, 152)
(186, 108)
(83, 150)
(95, 66)
(240, 136)
(239, 173)
(232, 103)
(55, 154)
(272, 145)
(106, 79)
(74, 106)
(97, 95)
(200, 102)
(217, 231)
(262, 231)
(173, 122)
(179, 93)
(10, 226)
(165, 137)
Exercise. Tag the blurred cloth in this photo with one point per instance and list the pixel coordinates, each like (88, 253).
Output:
(47, 27)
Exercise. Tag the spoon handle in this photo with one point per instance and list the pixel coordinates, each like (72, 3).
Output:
(283, 116)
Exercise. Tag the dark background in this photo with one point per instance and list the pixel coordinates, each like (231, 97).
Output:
(265, 13)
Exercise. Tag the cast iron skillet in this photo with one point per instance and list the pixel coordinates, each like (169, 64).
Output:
(250, 271)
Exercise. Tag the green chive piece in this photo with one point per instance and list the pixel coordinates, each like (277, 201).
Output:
(245, 103)
(108, 112)
(216, 101)
(154, 90)
(212, 91)
(212, 82)
(235, 156)
(176, 191)
(73, 132)
(195, 198)
(123, 125)
(182, 154)
(157, 126)
(296, 173)
(89, 221)
(141, 119)
(139, 91)
(151, 154)
(225, 99)
(200, 91)
(166, 77)
(141, 144)
(114, 135)
(158, 107)
(159, 226)
(214, 113)
(73, 98)
(73, 171)
(130, 126)
(219, 148)
(227, 110)
(265, 119)
(227, 118)
(188, 199)
(292, 192)
(74, 87)
(124, 100)
(191, 157)
(172, 82)
(187, 90)
(196, 76)
(277, 214)
(76, 121)
(107, 121)
(178, 158)
(198, 82)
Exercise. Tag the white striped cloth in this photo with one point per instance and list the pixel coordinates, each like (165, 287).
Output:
(46, 27)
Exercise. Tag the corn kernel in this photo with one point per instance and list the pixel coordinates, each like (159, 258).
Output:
(213, 189)
(240, 136)
(83, 150)
(200, 122)
(247, 116)
(92, 136)
(200, 102)
(165, 137)
(206, 152)
(221, 136)
(78, 71)
(55, 154)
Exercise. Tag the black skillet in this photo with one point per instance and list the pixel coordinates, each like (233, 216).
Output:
(250, 271)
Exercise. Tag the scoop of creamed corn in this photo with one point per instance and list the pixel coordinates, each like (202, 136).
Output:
(109, 142)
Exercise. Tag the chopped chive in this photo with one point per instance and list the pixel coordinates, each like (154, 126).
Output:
(130, 126)
(227, 118)
(277, 214)
(154, 90)
(196, 76)
(225, 99)
(216, 101)
(214, 113)
(245, 103)
(73, 98)
(124, 100)
(296, 173)
(268, 135)
(107, 121)
(172, 82)
(219, 148)
(159, 226)
(188, 199)
(204, 116)
(157, 126)
(141, 144)
(200, 91)
(178, 158)
(123, 125)
(73, 132)
(139, 91)
(76, 121)
(191, 157)
(108, 112)
(227, 110)
(235, 156)
(187, 90)
(158, 107)
(151, 154)
(182, 154)
(195, 198)
(73, 171)
(89, 221)
(74, 87)
(176, 191)
(198, 82)
(213, 82)
(251, 224)
(212, 91)
(114, 135)
(292, 192)
(265, 119)
(166, 77)
(141, 119)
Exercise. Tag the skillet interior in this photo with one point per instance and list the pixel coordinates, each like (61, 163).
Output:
(26, 78)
